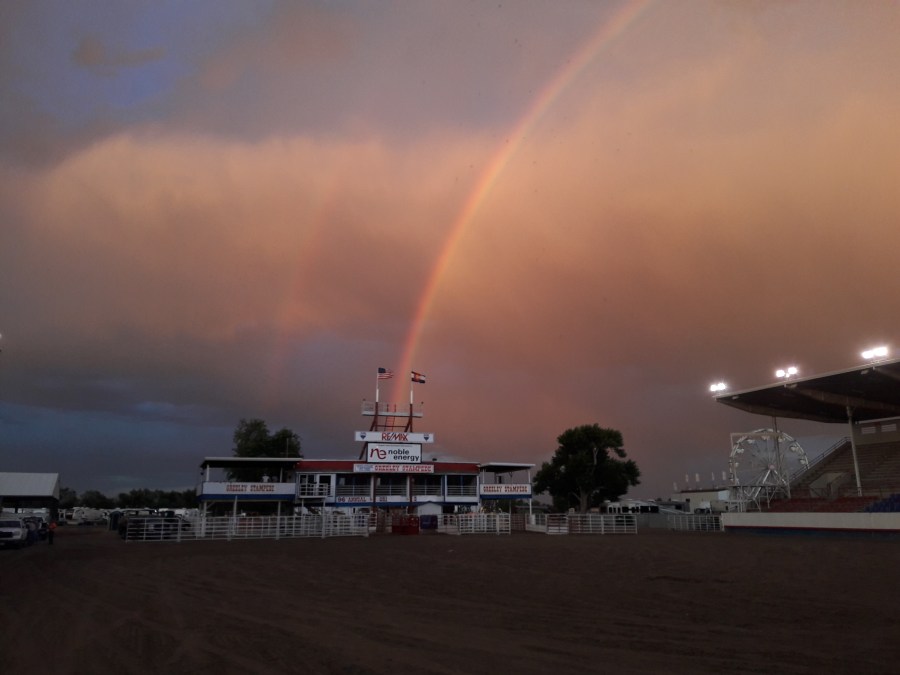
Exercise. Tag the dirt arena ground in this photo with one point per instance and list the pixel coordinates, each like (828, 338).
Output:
(655, 602)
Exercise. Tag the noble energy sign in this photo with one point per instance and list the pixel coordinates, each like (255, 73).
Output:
(394, 453)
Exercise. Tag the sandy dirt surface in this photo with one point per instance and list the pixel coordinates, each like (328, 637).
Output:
(655, 602)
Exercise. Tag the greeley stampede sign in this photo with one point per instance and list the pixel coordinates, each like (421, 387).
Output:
(505, 490)
(393, 468)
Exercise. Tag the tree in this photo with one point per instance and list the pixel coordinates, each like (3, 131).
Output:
(96, 500)
(583, 473)
(68, 498)
(284, 443)
(138, 498)
(158, 499)
(252, 439)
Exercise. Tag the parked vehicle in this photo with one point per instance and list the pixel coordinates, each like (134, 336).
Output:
(13, 532)
(83, 515)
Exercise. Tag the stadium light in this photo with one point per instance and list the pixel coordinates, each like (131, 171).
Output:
(875, 353)
(785, 373)
(717, 387)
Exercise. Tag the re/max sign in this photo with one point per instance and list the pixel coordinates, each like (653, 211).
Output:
(394, 437)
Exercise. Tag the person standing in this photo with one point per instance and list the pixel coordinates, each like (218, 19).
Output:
(30, 532)
(51, 530)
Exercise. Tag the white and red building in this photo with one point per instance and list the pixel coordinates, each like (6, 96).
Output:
(393, 473)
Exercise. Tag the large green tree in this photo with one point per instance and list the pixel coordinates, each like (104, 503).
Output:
(252, 439)
(588, 467)
(167, 499)
(68, 498)
(95, 499)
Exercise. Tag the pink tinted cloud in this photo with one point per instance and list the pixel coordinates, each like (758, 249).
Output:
(713, 206)
(190, 235)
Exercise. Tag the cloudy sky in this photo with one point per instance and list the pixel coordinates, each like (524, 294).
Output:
(561, 213)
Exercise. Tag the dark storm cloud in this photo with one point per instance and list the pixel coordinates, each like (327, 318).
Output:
(94, 54)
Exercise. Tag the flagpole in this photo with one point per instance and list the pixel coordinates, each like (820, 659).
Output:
(409, 426)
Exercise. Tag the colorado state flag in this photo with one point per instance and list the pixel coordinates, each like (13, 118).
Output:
(418, 377)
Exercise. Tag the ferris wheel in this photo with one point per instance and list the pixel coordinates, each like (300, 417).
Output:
(763, 463)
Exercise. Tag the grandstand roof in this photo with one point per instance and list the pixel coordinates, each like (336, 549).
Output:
(871, 392)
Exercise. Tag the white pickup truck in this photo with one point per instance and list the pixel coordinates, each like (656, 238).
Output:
(13, 532)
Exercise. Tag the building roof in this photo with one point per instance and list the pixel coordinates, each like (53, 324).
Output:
(504, 467)
(870, 392)
(30, 486)
(246, 462)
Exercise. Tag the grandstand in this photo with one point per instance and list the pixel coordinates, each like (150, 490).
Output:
(860, 473)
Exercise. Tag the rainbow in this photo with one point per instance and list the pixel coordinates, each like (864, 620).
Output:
(607, 32)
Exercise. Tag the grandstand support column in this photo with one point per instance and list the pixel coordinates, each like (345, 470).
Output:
(779, 458)
(853, 450)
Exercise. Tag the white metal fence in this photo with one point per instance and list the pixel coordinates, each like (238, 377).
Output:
(483, 523)
(335, 524)
(153, 528)
(597, 523)
(583, 523)
(695, 523)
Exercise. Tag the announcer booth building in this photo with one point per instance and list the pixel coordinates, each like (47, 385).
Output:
(406, 484)
(391, 475)
(287, 485)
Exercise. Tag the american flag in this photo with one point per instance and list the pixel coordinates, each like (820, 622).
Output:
(418, 377)
(385, 373)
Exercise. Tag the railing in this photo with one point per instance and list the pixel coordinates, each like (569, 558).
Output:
(329, 524)
(354, 490)
(448, 524)
(596, 523)
(483, 523)
(462, 490)
(474, 523)
(695, 523)
(390, 490)
(391, 409)
(583, 523)
(399, 490)
(313, 490)
(827, 453)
